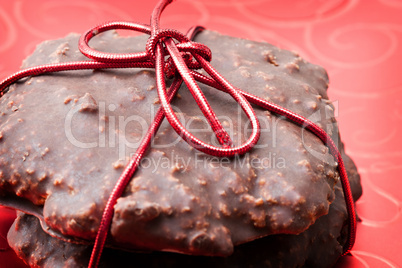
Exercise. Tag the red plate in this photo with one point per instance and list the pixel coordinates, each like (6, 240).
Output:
(358, 42)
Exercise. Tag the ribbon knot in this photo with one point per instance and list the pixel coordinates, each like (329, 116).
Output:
(185, 56)
(185, 46)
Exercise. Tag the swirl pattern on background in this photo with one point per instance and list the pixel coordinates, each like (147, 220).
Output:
(301, 13)
(362, 259)
(8, 31)
(358, 42)
(50, 16)
(347, 48)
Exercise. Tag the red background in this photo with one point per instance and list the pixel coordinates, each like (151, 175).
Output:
(358, 42)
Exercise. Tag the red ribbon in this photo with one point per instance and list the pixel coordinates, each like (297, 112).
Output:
(185, 57)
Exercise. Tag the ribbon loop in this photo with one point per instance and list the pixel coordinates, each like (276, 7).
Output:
(112, 57)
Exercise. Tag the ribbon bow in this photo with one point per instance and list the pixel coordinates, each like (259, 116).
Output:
(185, 57)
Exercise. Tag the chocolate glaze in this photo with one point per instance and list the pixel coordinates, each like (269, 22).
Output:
(66, 137)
